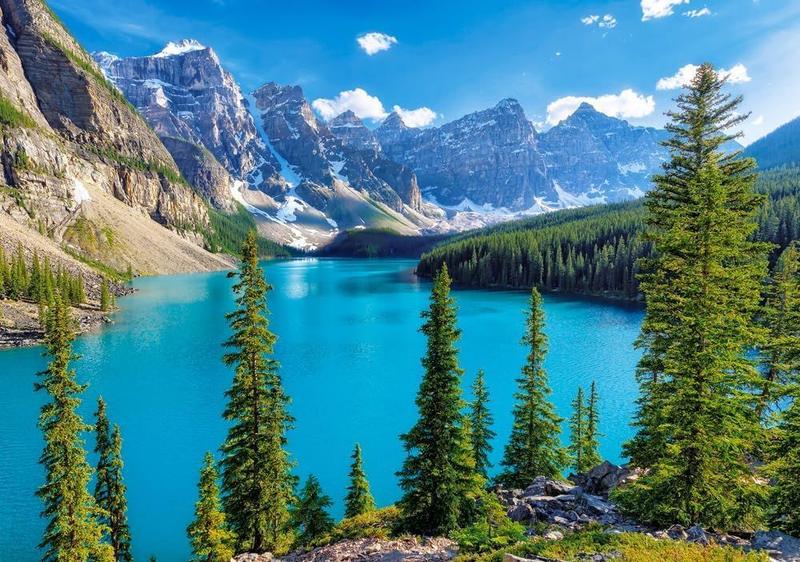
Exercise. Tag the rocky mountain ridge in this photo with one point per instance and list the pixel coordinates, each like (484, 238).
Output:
(314, 178)
(83, 174)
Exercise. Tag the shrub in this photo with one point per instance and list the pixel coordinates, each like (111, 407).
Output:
(492, 530)
(11, 116)
(377, 524)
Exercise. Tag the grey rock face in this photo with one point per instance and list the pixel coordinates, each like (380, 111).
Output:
(489, 157)
(184, 92)
(203, 172)
(495, 157)
(349, 129)
(343, 150)
(592, 154)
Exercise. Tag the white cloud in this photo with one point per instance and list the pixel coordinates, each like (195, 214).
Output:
(606, 22)
(626, 104)
(375, 42)
(737, 74)
(652, 9)
(357, 100)
(419, 117)
(697, 13)
(758, 121)
(366, 106)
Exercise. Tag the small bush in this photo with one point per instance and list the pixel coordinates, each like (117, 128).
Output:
(11, 116)
(377, 524)
(492, 530)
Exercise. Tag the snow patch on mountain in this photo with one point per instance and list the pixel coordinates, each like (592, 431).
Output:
(181, 47)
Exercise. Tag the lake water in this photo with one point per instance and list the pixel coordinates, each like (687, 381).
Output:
(349, 347)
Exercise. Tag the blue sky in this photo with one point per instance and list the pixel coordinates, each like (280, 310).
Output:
(454, 57)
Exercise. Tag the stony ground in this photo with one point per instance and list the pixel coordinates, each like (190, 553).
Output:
(19, 322)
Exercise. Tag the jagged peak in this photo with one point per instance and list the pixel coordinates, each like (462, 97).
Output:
(346, 119)
(181, 47)
(271, 89)
(394, 121)
(508, 104)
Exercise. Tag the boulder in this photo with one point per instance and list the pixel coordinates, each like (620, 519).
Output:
(603, 478)
(778, 545)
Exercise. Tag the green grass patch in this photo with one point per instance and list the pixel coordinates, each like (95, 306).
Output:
(139, 164)
(97, 265)
(376, 524)
(228, 231)
(630, 547)
(12, 116)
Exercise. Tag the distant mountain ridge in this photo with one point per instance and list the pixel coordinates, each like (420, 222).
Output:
(308, 179)
(780, 147)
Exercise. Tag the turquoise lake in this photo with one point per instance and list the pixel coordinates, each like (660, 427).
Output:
(349, 349)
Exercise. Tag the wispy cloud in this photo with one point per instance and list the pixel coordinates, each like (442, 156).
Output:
(367, 106)
(697, 13)
(736, 74)
(375, 42)
(606, 22)
(627, 104)
(654, 9)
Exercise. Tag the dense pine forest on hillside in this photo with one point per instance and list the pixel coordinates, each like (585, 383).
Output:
(592, 250)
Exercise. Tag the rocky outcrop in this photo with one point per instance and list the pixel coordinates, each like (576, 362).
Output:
(203, 172)
(349, 129)
(409, 549)
(184, 92)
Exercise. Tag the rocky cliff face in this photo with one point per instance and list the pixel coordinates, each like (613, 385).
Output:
(592, 156)
(321, 155)
(184, 92)
(486, 158)
(81, 169)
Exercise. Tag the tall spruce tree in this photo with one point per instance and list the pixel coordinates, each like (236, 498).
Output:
(481, 425)
(780, 351)
(257, 482)
(311, 515)
(209, 535)
(785, 470)
(534, 448)
(109, 490)
(438, 477)
(577, 433)
(359, 499)
(695, 420)
(74, 531)
(592, 450)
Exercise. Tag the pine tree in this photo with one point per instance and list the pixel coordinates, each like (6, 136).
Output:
(695, 421)
(780, 351)
(110, 491)
(438, 477)
(785, 471)
(105, 295)
(73, 530)
(577, 434)
(311, 513)
(211, 539)
(591, 453)
(257, 482)
(359, 499)
(534, 448)
(481, 425)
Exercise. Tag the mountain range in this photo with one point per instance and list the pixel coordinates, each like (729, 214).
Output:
(307, 179)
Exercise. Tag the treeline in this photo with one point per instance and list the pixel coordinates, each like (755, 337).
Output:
(593, 250)
(38, 282)
(228, 232)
